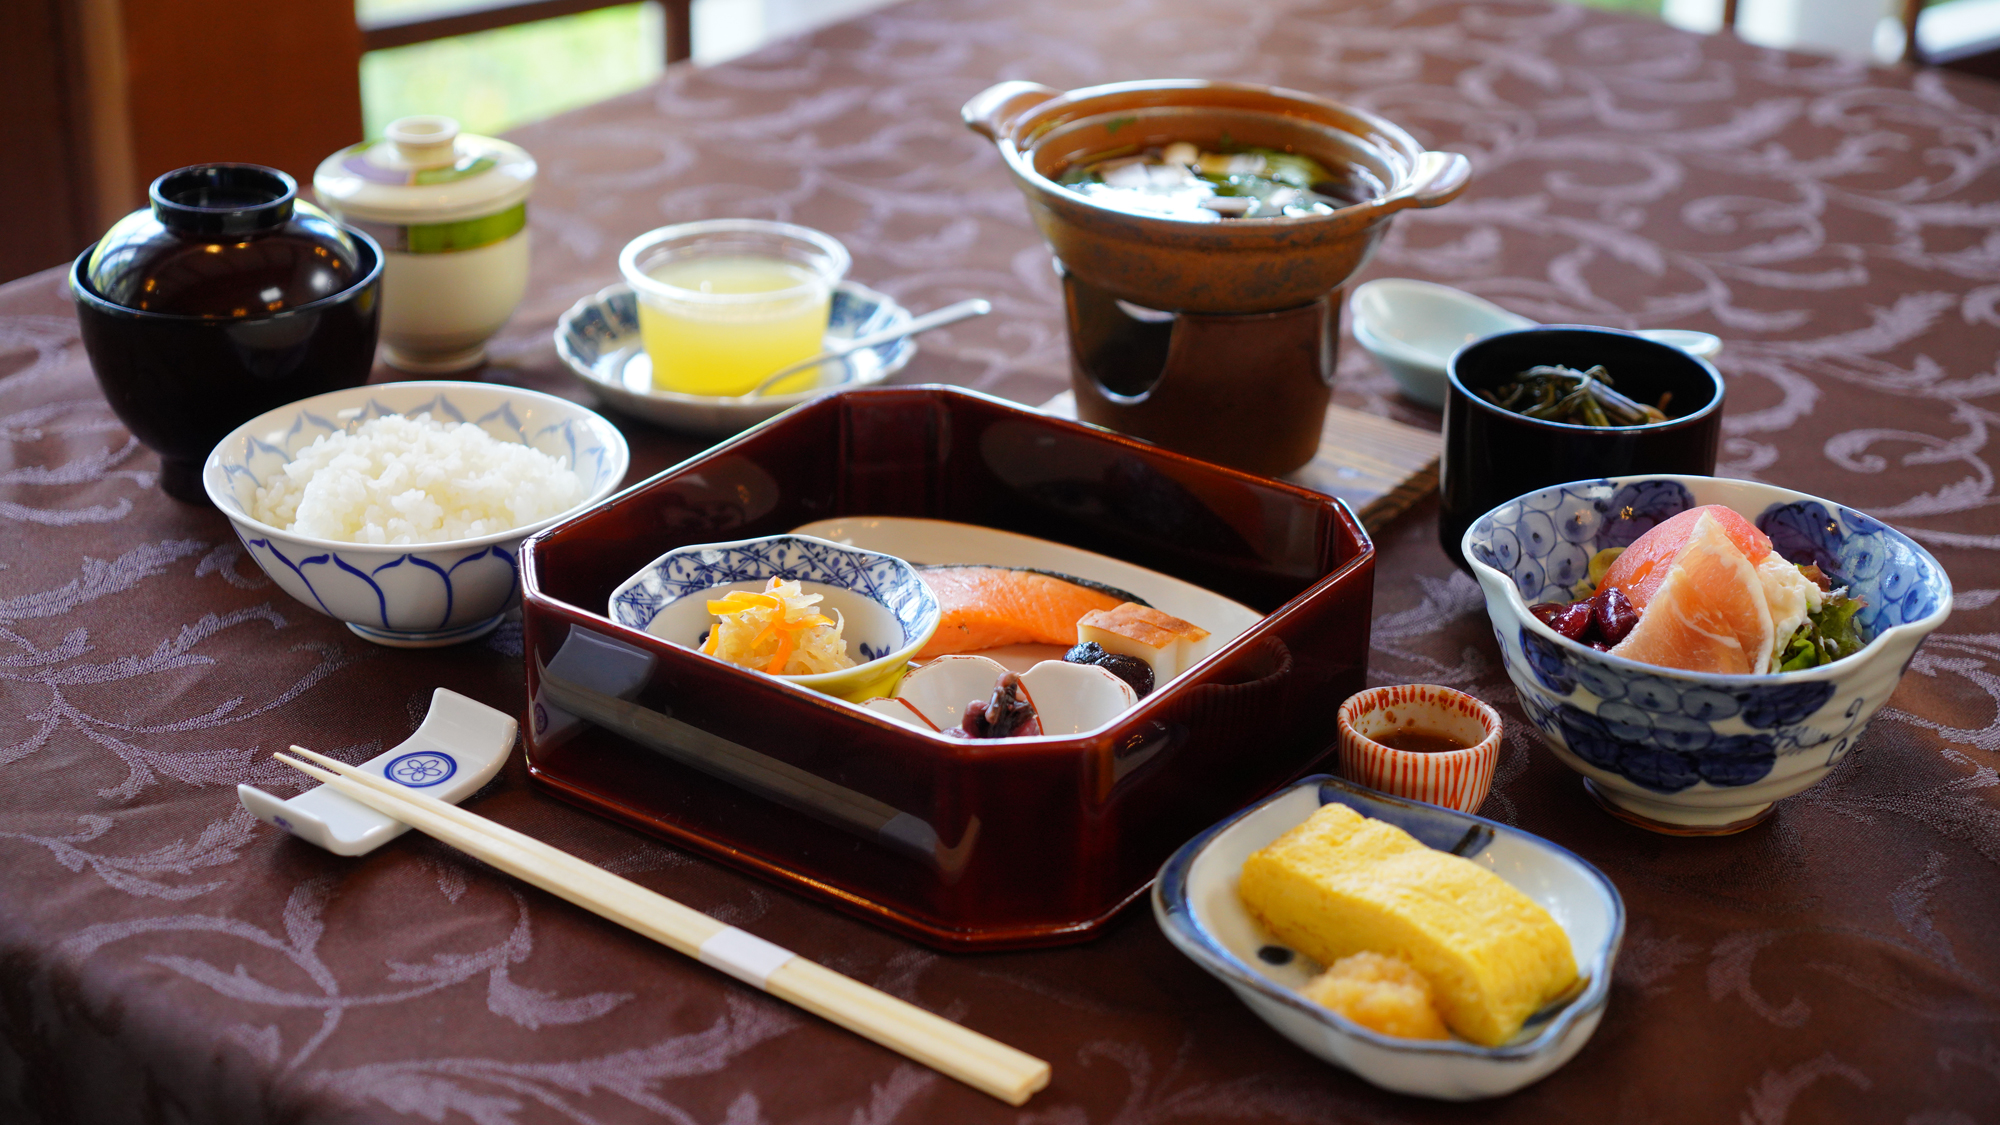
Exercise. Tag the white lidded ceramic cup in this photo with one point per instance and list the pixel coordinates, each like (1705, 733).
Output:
(1457, 779)
(451, 212)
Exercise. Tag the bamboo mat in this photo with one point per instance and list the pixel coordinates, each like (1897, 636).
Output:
(1379, 466)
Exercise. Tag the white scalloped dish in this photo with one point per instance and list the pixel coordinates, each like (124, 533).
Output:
(1070, 699)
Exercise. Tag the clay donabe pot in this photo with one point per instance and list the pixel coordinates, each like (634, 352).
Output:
(1235, 266)
(1215, 339)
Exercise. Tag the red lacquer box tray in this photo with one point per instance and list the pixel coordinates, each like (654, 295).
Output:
(955, 843)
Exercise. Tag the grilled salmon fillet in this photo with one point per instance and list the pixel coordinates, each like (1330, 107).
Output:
(990, 606)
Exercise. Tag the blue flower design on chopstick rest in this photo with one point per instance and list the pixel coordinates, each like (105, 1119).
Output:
(697, 569)
(421, 769)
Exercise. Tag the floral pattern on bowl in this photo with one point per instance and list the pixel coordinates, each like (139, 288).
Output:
(1071, 699)
(1196, 906)
(888, 611)
(1687, 751)
(417, 595)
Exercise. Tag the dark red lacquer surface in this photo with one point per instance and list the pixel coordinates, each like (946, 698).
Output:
(954, 843)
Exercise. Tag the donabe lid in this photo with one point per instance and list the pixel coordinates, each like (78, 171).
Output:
(424, 170)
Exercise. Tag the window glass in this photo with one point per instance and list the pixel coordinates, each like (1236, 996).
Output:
(494, 80)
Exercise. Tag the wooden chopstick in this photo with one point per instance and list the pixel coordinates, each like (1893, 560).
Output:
(982, 1063)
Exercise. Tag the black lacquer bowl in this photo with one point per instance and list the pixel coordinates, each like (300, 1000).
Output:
(1492, 455)
(270, 300)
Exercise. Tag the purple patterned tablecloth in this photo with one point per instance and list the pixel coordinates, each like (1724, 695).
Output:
(164, 958)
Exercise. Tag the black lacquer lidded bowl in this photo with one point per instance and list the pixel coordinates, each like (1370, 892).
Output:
(222, 299)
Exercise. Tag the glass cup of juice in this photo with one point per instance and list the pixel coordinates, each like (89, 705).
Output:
(724, 303)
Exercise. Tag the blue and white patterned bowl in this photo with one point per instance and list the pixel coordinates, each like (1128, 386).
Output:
(888, 612)
(1196, 905)
(599, 339)
(1691, 752)
(407, 596)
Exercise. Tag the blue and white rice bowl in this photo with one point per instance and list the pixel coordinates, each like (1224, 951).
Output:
(887, 611)
(402, 595)
(1196, 905)
(1691, 752)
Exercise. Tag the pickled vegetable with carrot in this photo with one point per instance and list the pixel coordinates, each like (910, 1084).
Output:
(778, 630)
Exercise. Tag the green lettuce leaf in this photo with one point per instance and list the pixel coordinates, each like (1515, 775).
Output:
(1829, 634)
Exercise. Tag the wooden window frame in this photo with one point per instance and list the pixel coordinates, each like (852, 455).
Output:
(380, 35)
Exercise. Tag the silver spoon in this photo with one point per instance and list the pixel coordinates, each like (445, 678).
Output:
(950, 314)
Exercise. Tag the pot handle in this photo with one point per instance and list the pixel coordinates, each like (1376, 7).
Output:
(991, 111)
(1438, 178)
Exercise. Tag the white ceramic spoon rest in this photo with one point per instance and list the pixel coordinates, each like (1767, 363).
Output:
(1412, 328)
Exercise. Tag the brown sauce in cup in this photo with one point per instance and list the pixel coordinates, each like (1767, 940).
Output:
(1417, 740)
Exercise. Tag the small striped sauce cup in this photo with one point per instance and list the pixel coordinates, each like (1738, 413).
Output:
(1455, 778)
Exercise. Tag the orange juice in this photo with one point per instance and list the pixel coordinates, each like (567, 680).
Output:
(711, 334)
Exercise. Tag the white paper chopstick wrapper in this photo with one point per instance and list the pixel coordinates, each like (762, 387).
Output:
(460, 746)
(744, 955)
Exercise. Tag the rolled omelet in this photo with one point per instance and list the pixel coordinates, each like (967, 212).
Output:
(1341, 884)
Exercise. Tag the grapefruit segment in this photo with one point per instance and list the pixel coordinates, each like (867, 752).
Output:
(1643, 567)
(1706, 609)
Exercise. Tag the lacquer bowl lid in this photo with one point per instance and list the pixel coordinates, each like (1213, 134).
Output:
(223, 242)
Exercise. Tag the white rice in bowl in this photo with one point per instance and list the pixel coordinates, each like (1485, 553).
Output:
(396, 480)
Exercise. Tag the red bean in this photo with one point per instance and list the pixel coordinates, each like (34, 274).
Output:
(1545, 612)
(1614, 615)
(1574, 619)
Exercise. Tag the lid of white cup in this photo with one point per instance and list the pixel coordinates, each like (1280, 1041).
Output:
(424, 170)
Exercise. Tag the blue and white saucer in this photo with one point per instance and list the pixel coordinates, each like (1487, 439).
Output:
(599, 338)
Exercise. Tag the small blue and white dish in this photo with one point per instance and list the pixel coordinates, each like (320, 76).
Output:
(407, 596)
(1196, 905)
(888, 612)
(1695, 753)
(599, 339)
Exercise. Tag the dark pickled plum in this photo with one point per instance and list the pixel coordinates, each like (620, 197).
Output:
(1008, 714)
(1131, 669)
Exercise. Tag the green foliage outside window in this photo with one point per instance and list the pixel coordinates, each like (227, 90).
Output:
(494, 80)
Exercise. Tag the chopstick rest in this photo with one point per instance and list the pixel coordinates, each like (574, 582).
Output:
(982, 1063)
(460, 746)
